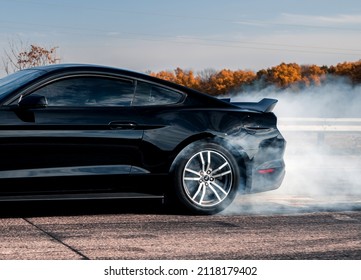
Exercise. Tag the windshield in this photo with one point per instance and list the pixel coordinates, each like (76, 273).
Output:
(16, 80)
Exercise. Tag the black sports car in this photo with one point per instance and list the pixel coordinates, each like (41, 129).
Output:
(88, 132)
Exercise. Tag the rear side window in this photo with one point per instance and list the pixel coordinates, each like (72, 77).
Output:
(148, 94)
(88, 91)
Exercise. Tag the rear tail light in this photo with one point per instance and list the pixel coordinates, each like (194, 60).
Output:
(266, 171)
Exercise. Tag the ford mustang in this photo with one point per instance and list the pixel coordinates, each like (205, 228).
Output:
(74, 131)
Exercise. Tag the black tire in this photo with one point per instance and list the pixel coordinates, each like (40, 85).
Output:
(206, 178)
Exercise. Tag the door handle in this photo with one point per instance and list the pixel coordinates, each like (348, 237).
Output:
(122, 125)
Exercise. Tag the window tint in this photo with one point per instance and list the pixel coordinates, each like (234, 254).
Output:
(88, 91)
(148, 94)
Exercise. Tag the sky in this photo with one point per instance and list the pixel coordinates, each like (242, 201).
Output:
(155, 35)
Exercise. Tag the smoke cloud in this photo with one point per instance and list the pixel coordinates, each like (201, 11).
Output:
(322, 169)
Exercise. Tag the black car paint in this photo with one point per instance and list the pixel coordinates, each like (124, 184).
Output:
(97, 152)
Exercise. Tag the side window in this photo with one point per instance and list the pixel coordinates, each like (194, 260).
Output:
(88, 91)
(149, 94)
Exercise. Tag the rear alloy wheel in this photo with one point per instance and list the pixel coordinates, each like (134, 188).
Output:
(207, 178)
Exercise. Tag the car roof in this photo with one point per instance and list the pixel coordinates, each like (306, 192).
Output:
(78, 66)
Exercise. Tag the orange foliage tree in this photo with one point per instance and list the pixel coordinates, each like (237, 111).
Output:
(227, 81)
(284, 75)
(186, 78)
(350, 70)
(165, 75)
(313, 74)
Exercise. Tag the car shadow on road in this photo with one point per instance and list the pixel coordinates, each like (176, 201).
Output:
(87, 207)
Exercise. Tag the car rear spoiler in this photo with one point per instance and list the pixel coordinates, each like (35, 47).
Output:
(265, 105)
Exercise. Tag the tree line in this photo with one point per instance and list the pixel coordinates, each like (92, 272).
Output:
(283, 76)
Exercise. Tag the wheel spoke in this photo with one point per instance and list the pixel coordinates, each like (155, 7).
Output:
(197, 192)
(209, 160)
(192, 171)
(219, 187)
(220, 168)
(202, 160)
(215, 192)
(222, 174)
(191, 178)
(203, 194)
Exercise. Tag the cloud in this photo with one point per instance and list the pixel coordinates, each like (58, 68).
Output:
(321, 21)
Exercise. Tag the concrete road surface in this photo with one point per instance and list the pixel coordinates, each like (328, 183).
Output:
(139, 230)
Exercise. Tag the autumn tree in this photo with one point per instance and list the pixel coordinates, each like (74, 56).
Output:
(313, 74)
(243, 78)
(165, 75)
(284, 75)
(179, 76)
(205, 76)
(224, 81)
(350, 70)
(18, 57)
(356, 73)
(186, 78)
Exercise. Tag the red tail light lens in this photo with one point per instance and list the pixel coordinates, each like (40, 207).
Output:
(266, 171)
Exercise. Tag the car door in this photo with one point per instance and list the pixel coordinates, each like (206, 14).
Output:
(76, 127)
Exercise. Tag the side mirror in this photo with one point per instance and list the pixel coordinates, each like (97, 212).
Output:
(33, 101)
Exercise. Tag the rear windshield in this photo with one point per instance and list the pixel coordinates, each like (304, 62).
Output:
(16, 80)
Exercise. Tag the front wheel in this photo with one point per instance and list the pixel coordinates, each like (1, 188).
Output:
(206, 178)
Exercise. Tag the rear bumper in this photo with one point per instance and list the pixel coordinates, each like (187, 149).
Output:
(268, 176)
(267, 169)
